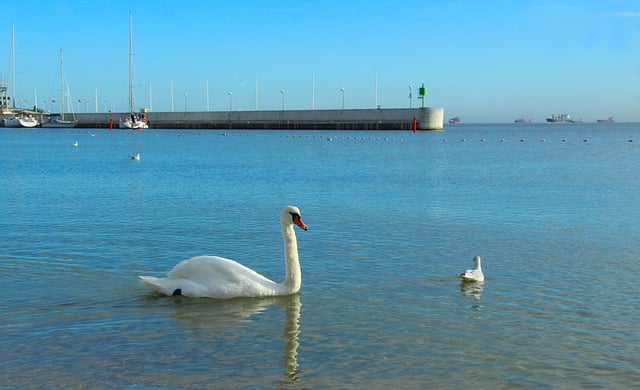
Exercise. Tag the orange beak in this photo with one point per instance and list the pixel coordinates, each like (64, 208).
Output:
(298, 221)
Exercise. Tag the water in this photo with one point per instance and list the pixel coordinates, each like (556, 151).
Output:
(393, 218)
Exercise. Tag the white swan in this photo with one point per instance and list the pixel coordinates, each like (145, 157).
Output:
(475, 274)
(217, 277)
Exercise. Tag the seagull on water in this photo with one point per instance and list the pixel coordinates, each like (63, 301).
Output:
(475, 274)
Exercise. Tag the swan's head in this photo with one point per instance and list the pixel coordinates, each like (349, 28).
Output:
(291, 215)
(476, 259)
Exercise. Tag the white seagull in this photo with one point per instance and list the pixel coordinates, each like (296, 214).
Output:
(475, 274)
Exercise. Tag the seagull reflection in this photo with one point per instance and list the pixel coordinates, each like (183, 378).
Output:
(472, 290)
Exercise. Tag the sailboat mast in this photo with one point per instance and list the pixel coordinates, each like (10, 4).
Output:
(130, 62)
(61, 86)
(12, 65)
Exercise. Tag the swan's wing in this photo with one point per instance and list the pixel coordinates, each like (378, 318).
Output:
(212, 269)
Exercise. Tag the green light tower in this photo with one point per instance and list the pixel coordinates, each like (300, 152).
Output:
(422, 92)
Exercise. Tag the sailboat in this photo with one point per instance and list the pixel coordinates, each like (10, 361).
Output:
(57, 120)
(22, 117)
(134, 120)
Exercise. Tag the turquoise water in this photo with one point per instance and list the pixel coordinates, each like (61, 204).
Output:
(393, 218)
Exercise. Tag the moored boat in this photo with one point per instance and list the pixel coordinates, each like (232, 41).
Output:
(133, 120)
(57, 120)
(21, 120)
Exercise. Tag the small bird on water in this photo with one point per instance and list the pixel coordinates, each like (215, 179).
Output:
(475, 274)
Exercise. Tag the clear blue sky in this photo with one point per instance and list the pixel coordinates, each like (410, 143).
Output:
(485, 61)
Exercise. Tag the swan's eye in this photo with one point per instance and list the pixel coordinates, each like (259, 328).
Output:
(294, 215)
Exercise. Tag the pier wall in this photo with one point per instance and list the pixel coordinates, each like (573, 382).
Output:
(357, 119)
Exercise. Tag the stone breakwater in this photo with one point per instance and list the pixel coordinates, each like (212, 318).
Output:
(426, 118)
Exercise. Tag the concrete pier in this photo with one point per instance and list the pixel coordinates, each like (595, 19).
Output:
(427, 118)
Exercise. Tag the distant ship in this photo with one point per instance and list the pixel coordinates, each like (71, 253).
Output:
(522, 120)
(609, 120)
(454, 121)
(560, 118)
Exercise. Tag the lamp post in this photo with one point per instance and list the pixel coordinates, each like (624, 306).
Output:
(282, 92)
(230, 101)
(185, 102)
(342, 90)
(410, 96)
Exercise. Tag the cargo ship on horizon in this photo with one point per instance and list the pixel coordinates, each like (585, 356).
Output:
(560, 118)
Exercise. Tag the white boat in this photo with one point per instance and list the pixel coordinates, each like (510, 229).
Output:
(133, 120)
(14, 117)
(21, 120)
(57, 120)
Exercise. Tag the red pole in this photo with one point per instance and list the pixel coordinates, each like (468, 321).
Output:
(415, 124)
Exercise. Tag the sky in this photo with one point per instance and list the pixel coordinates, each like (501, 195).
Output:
(483, 61)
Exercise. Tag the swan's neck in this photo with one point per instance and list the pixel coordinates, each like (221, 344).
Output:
(293, 278)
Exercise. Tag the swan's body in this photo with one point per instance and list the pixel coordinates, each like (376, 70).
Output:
(217, 277)
(136, 157)
(475, 274)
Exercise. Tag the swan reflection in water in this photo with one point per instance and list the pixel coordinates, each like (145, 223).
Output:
(218, 315)
(472, 290)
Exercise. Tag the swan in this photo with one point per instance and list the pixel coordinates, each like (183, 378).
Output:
(217, 277)
(136, 157)
(475, 274)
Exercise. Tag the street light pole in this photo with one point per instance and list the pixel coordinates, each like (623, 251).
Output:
(282, 92)
(342, 90)
(410, 96)
(230, 101)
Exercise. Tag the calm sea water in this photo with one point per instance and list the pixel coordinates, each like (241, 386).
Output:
(393, 218)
